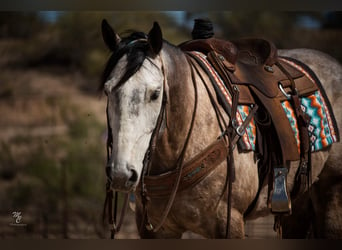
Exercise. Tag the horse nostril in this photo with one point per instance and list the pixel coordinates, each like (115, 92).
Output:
(134, 176)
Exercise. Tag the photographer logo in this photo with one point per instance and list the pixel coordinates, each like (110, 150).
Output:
(17, 217)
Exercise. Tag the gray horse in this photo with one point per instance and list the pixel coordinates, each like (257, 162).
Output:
(143, 74)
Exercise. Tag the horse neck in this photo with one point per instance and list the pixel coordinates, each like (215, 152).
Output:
(178, 110)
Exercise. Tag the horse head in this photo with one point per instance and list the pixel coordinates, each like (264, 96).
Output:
(133, 82)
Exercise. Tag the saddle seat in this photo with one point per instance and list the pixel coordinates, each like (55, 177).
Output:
(258, 51)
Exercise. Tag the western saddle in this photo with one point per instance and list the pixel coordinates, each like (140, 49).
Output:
(263, 78)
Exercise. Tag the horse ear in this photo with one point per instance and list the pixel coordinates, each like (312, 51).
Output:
(110, 38)
(155, 38)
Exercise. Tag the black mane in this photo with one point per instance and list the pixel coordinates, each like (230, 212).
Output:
(136, 47)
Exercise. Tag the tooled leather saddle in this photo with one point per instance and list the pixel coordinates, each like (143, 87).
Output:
(263, 78)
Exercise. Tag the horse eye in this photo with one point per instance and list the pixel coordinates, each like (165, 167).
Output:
(155, 95)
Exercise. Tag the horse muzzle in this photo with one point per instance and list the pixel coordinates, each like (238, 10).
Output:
(123, 177)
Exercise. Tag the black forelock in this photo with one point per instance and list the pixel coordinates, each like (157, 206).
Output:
(135, 49)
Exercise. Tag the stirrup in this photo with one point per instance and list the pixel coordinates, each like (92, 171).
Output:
(280, 202)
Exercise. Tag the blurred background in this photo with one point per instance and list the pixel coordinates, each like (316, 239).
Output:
(52, 118)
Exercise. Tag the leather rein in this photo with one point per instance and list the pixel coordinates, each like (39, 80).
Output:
(182, 176)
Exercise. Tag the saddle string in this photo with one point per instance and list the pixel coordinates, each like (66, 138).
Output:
(230, 177)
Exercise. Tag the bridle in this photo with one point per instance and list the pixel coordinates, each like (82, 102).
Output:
(147, 162)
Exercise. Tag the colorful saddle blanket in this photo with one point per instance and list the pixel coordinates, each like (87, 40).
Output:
(322, 129)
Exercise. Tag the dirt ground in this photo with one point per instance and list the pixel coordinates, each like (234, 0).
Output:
(261, 228)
